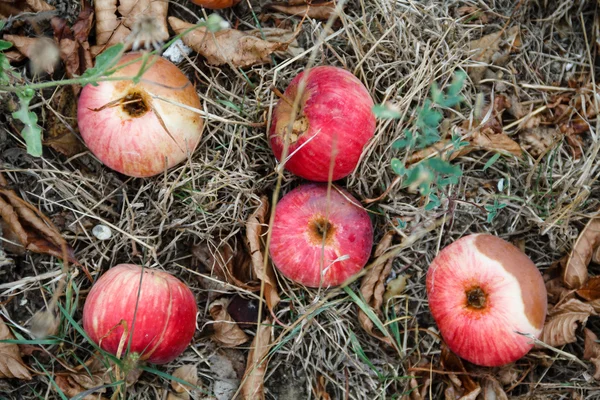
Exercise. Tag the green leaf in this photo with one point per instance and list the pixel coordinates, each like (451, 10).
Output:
(491, 161)
(398, 167)
(434, 202)
(457, 143)
(408, 141)
(4, 68)
(32, 132)
(457, 83)
(5, 45)
(107, 59)
(383, 111)
(443, 167)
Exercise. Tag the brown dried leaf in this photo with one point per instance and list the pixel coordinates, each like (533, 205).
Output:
(591, 290)
(463, 382)
(253, 381)
(11, 364)
(538, 140)
(254, 231)
(488, 50)
(372, 287)
(499, 142)
(32, 229)
(187, 373)
(41, 51)
(557, 291)
(39, 5)
(114, 23)
(595, 305)
(575, 273)
(321, 389)
(61, 130)
(492, 390)
(591, 351)
(227, 332)
(74, 383)
(227, 46)
(475, 13)
(313, 10)
(562, 322)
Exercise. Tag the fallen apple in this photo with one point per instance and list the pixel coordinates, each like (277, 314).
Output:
(141, 129)
(334, 121)
(160, 318)
(483, 292)
(320, 238)
(216, 4)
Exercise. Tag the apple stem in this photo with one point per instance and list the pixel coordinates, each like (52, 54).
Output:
(282, 96)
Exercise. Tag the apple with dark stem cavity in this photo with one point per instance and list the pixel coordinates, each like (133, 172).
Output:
(483, 292)
(320, 237)
(334, 120)
(164, 309)
(141, 129)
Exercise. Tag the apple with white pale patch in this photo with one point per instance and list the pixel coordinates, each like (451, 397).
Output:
(320, 237)
(141, 129)
(165, 320)
(333, 123)
(483, 292)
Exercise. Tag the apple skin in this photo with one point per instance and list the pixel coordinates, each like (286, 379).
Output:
(165, 321)
(216, 4)
(335, 115)
(296, 246)
(138, 145)
(513, 293)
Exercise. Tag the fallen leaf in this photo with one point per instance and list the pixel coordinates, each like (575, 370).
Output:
(278, 35)
(114, 23)
(73, 42)
(492, 390)
(372, 287)
(244, 311)
(463, 384)
(232, 266)
(227, 46)
(187, 373)
(591, 351)
(227, 332)
(321, 389)
(498, 142)
(256, 366)
(11, 8)
(591, 290)
(489, 50)
(557, 291)
(322, 10)
(561, 323)
(11, 364)
(538, 140)
(31, 228)
(395, 287)
(89, 376)
(575, 273)
(61, 123)
(42, 52)
(474, 13)
(254, 230)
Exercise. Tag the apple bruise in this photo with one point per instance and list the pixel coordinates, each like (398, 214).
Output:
(300, 125)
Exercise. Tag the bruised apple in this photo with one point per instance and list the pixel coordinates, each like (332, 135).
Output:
(482, 290)
(320, 239)
(165, 320)
(141, 129)
(333, 124)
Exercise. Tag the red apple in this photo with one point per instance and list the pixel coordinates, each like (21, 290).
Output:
(165, 320)
(130, 129)
(482, 290)
(216, 4)
(320, 241)
(334, 120)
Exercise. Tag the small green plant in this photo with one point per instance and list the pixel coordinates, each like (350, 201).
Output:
(430, 175)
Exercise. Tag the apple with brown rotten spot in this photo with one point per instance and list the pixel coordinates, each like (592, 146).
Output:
(141, 129)
(320, 239)
(482, 290)
(334, 120)
(165, 320)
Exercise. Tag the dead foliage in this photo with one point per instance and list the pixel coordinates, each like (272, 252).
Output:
(576, 269)
(256, 367)
(61, 124)
(83, 378)
(460, 383)
(322, 10)
(563, 320)
(10, 8)
(226, 331)
(493, 49)
(187, 373)
(41, 51)
(591, 351)
(11, 364)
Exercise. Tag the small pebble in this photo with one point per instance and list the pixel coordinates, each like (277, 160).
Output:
(102, 232)
(176, 52)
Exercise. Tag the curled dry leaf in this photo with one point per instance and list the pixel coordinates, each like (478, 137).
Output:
(562, 322)
(591, 350)
(312, 9)
(539, 140)
(461, 382)
(227, 46)
(187, 373)
(227, 332)
(73, 42)
(372, 287)
(93, 375)
(24, 224)
(591, 290)
(116, 18)
(575, 273)
(61, 123)
(256, 366)
(491, 49)
(11, 364)
(492, 390)
(321, 389)
(9, 8)
(254, 231)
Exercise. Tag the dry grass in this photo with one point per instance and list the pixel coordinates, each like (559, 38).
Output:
(397, 48)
